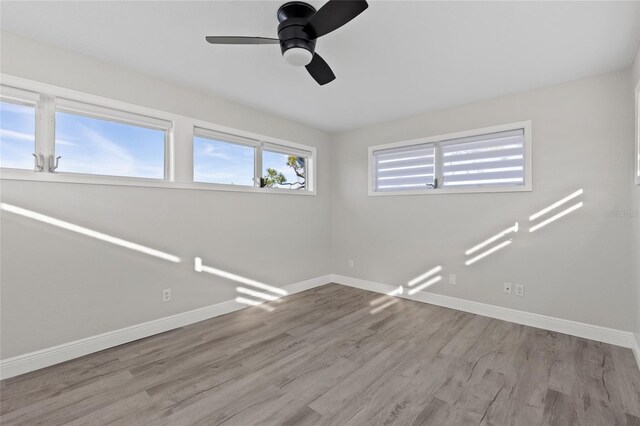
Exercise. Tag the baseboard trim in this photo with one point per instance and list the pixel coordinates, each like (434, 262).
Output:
(574, 328)
(636, 347)
(36, 360)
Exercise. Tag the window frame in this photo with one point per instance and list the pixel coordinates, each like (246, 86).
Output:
(637, 134)
(422, 146)
(178, 142)
(98, 112)
(261, 145)
(288, 150)
(230, 139)
(17, 96)
(445, 138)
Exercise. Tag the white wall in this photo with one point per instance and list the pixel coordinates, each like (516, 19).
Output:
(578, 268)
(635, 197)
(58, 286)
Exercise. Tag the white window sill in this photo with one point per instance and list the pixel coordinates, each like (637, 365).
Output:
(73, 178)
(524, 188)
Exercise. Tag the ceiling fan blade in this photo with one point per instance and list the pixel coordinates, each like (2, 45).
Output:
(320, 70)
(241, 40)
(333, 15)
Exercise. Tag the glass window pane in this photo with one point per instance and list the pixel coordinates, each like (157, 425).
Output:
(405, 169)
(17, 135)
(495, 159)
(101, 147)
(283, 170)
(222, 162)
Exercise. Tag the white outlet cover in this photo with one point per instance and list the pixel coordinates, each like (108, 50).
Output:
(452, 279)
(519, 290)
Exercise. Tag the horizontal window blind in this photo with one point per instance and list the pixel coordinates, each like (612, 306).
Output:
(12, 94)
(99, 112)
(495, 159)
(406, 168)
(224, 137)
(285, 150)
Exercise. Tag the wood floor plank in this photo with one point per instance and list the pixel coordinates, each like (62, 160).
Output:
(337, 355)
(628, 379)
(559, 409)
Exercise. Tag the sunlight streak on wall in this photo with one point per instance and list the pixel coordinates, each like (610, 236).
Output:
(556, 217)
(199, 267)
(88, 232)
(488, 241)
(488, 252)
(556, 204)
(432, 281)
(424, 276)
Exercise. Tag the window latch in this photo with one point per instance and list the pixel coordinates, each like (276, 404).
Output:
(53, 162)
(433, 185)
(39, 162)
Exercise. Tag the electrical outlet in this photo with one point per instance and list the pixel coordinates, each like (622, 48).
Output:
(351, 263)
(519, 290)
(166, 294)
(507, 288)
(452, 279)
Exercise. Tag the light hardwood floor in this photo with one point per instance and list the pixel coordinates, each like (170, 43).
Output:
(336, 355)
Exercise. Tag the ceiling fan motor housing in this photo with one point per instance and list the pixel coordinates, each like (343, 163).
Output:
(300, 26)
(293, 17)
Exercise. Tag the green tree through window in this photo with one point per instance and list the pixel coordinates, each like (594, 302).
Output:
(276, 178)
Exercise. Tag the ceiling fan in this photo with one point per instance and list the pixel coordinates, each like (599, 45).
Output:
(300, 26)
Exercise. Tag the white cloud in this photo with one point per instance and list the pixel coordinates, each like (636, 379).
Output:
(211, 151)
(65, 142)
(19, 136)
(103, 156)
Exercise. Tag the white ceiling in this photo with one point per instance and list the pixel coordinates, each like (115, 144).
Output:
(396, 59)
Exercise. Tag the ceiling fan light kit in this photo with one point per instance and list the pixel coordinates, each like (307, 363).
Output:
(297, 56)
(300, 26)
(297, 46)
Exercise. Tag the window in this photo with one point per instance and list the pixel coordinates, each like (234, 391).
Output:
(17, 129)
(487, 160)
(81, 138)
(407, 168)
(284, 168)
(227, 159)
(216, 160)
(98, 141)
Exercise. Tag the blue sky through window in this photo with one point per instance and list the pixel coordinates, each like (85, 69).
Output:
(17, 135)
(101, 147)
(278, 161)
(222, 162)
